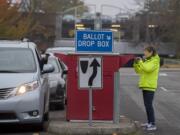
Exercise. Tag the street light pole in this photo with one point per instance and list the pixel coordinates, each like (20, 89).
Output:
(116, 7)
(147, 22)
(112, 6)
(75, 9)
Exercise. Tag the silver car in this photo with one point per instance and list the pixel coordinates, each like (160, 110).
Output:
(57, 82)
(24, 94)
(63, 50)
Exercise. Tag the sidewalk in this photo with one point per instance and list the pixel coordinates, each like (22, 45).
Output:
(171, 63)
(175, 68)
(62, 127)
(171, 66)
(131, 70)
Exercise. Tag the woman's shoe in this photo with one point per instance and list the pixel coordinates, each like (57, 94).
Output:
(145, 125)
(151, 127)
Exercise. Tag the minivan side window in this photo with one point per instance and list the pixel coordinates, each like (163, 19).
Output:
(39, 60)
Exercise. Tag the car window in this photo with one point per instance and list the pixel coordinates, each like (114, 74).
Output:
(17, 60)
(39, 60)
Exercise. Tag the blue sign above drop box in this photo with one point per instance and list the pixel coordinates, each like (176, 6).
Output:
(94, 41)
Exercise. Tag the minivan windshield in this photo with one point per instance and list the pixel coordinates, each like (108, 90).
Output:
(17, 60)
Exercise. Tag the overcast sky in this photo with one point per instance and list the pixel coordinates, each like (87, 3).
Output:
(131, 4)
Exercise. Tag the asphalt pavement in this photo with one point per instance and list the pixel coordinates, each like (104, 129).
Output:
(10, 129)
(167, 101)
(167, 105)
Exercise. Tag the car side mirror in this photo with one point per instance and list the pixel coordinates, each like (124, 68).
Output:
(48, 68)
(65, 72)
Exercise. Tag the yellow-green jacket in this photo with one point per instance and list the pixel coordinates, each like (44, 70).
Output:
(148, 71)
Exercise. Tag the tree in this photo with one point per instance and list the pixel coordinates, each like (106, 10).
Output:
(174, 27)
(26, 19)
(168, 20)
(14, 24)
(49, 6)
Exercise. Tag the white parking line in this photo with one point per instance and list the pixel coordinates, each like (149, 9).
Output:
(163, 74)
(164, 89)
(133, 74)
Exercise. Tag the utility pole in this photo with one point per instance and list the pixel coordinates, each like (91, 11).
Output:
(147, 4)
(98, 22)
(30, 5)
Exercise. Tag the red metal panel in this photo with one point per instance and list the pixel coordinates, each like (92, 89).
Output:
(103, 99)
(77, 100)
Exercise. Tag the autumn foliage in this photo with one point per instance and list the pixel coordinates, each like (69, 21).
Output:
(14, 24)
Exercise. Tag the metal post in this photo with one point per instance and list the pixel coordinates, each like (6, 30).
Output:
(59, 26)
(75, 15)
(61, 23)
(116, 117)
(90, 106)
(75, 9)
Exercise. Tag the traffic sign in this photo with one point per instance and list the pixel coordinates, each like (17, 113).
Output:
(90, 72)
(94, 41)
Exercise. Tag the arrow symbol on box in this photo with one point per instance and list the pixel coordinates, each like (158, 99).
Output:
(95, 64)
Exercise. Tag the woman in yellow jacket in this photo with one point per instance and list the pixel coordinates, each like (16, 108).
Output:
(148, 70)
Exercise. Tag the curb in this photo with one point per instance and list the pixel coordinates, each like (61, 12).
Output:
(170, 69)
(172, 61)
(126, 127)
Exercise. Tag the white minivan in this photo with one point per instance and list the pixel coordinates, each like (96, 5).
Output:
(24, 90)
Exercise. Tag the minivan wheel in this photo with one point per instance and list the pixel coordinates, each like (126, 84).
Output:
(46, 117)
(45, 122)
(46, 114)
(43, 126)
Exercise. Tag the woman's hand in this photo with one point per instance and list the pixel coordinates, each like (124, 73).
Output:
(137, 59)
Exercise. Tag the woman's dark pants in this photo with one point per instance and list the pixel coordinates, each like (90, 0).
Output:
(148, 102)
